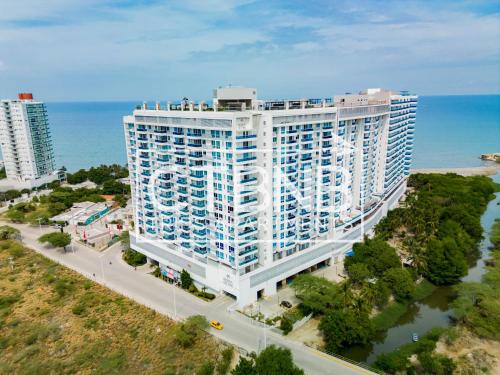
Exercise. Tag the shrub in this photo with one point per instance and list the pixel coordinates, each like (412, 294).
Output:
(286, 325)
(436, 364)
(392, 362)
(207, 368)
(15, 216)
(188, 331)
(225, 361)
(63, 286)
(134, 258)
(203, 294)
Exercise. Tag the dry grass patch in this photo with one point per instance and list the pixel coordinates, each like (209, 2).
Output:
(52, 320)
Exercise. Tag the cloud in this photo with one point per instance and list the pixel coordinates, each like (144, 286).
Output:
(131, 49)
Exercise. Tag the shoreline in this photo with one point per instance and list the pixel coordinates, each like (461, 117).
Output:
(485, 170)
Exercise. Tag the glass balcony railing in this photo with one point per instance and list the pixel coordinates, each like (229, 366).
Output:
(249, 260)
(248, 201)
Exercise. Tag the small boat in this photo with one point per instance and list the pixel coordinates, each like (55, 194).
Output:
(414, 337)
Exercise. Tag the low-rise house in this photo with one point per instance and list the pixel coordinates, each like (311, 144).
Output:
(83, 213)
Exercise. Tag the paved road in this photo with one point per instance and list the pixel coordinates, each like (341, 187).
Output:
(110, 270)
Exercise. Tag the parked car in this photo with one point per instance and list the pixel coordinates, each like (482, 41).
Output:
(286, 304)
(216, 324)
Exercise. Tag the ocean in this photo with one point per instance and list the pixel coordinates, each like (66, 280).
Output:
(451, 131)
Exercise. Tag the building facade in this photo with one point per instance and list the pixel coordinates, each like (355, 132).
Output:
(26, 142)
(247, 193)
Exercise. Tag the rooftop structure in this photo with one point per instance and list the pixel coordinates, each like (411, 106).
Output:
(247, 193)
(83, 213)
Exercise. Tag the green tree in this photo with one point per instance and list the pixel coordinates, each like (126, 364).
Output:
(26, 191)
(381, 293)
(114, 187)
(446, 263)
(377, 254)
(56, 208)
(77, 177)
(276, 361)
(341, 328)
(392, 362)
(400, 282)
(358, 273)
(317, 294)
(120, 200)
(56, 239)
(245, 366)
(186, 280)
(271, 361)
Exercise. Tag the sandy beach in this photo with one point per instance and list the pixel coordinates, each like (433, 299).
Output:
(486, 170)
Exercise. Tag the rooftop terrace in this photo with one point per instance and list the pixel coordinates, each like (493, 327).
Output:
(236, 99)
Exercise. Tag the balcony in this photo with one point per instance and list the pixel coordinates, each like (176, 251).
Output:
(199, 214)
(248, 180)
(248, 250)
(249, 260)
(246, 159)
(248, 201)
(246, 136)
(248, 147)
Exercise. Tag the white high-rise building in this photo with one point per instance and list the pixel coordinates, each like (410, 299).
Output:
(247, 193)
(26, 142)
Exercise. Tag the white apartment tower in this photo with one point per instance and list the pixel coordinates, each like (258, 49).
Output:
(26, 142)
(247, 193)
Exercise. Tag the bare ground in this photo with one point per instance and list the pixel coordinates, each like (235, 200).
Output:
(308, 334)
(486, 170)
(472, 354)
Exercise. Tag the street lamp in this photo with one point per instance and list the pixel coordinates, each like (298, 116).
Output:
(40, 223)
(175, 304)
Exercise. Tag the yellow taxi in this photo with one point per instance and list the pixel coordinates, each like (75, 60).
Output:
(216, 324)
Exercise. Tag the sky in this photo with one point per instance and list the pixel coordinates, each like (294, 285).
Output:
(92, 50)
